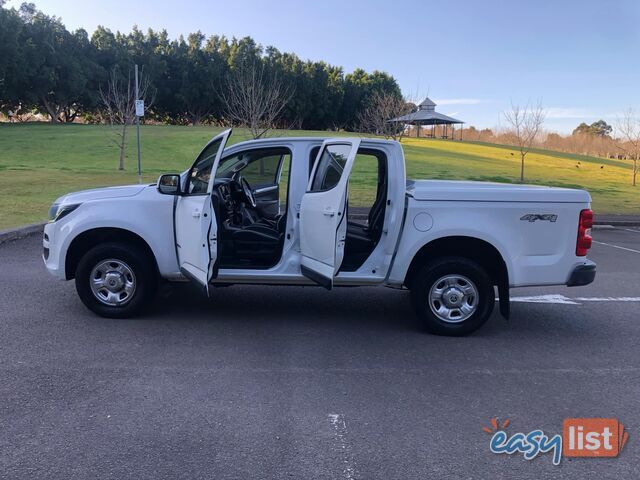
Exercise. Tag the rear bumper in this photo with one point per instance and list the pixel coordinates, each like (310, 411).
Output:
(582, 275)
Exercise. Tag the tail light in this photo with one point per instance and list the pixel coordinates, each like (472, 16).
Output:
(584, 233)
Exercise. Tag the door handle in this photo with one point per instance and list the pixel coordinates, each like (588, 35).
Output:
(329, 212)
(195, 214)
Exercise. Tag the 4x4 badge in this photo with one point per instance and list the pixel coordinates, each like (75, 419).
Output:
(532, 217)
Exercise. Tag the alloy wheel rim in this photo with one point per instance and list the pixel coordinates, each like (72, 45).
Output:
(113, 282)
(453, 298)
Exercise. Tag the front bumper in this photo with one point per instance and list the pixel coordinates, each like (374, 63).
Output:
(582, 275)
(51, 251)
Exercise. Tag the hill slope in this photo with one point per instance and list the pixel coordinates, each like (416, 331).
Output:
(39, 162)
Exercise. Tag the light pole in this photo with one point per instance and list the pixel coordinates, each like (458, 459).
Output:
(139, 113)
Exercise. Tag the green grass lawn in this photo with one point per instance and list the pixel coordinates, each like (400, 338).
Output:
(39, 162)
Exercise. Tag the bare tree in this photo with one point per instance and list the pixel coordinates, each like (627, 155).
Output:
(118, 98)
(526, 123)
(628, 133)
(23, 116)
(377, 116)
(255, 98)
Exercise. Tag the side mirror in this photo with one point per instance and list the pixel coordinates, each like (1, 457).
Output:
(169, 184)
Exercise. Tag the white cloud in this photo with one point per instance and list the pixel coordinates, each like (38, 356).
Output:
(615, 115)
(461, 101)
(560, 112)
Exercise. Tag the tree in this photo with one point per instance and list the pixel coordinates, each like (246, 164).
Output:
(118, 98)
(10, 58)
(526, 123)
(56, 66)
(582, 129)
(628, 130)
(46, 69)
(376, 117)
(254, 98)
(599, 129)
(198, 76)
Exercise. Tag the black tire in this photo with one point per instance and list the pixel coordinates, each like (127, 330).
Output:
(430, 276)
(137, 260)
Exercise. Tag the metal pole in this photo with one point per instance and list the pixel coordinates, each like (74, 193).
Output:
(138, 128)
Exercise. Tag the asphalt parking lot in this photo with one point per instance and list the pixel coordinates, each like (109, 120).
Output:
(292, 382)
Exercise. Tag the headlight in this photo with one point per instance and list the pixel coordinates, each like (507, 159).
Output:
(57, 211)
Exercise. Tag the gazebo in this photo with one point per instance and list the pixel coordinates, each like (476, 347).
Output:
(427, 115)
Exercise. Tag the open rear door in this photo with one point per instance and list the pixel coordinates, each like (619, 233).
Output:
(194, 216)
(323, 211)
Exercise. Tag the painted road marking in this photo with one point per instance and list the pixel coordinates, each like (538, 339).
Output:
(607, 299)
(562, 300)
(631, 230)
(617, 246)
(342, 444)
(545, 299)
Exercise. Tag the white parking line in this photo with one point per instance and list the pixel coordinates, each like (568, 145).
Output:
(340, 432)
(617, 246)
(607, 299)
(562, 300)
(631, 230)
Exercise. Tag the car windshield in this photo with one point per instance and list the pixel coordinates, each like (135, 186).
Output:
(230, 165)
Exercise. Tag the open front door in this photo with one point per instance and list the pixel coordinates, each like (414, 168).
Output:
(194, 217)
(323, 223)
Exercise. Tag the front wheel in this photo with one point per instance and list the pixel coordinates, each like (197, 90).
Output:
(452, 296)
(116, 280)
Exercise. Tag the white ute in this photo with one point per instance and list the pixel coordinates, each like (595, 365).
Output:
(333, 212)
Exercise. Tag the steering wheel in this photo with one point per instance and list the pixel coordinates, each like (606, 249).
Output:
(248, 193)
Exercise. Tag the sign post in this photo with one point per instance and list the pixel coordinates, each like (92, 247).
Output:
(139, 113)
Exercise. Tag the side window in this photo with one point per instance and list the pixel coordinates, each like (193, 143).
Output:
(198, 177)
(330, 167)
(312, 159)
(259, 167)
(263, 170)
(283, 181)
(366, 183)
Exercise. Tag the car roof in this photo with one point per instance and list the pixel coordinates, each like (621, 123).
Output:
(318, 140)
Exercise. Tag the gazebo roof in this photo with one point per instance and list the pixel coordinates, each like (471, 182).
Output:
(427, 117)
(427, 103)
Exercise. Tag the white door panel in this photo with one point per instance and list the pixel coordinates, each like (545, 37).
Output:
(193, 230)
(323, 225)
(195, 222)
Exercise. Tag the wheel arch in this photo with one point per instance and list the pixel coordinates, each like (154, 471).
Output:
(471, 248)
(88, 239)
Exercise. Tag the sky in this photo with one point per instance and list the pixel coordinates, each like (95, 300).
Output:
(579, 59)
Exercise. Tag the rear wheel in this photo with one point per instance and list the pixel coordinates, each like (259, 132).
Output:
(116, 280)
(452, 296)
